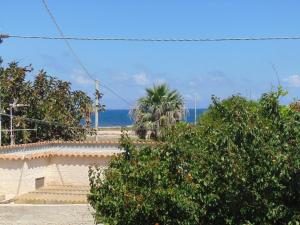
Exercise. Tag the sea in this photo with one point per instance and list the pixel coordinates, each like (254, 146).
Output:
(121, 117)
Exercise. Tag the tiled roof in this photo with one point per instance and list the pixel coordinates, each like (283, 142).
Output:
(48, 154)
(53, 143)
(57, 154)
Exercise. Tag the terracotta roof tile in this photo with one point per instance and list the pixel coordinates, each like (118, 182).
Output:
(46, 143)
(56, 154)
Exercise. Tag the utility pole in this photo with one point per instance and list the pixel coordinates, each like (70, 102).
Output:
(97, 95)
(98, 106)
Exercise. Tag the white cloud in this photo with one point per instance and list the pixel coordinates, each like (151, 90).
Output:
(192, 83)
(188, 97)
(80, 78)
(119, 77)
(160, 81)
(141, 79)
(212, 78)
(293, 80)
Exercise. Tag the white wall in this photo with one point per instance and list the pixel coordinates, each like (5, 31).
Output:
(71, 170)
(18, 176)
(10, 176)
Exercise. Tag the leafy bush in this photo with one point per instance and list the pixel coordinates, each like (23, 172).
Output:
(239, 165)
(48, 99)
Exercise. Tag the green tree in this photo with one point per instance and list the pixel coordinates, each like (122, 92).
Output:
(239, 165)
(49, 99)
(160, 108)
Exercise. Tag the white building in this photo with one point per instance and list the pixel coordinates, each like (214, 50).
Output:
(27, 167)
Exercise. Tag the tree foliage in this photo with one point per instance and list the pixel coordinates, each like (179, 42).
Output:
(49, 99)
(239, 165)
(160, 108)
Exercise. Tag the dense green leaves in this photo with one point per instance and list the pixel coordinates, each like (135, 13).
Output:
(239, 165)
(49, 99)
(160, 108)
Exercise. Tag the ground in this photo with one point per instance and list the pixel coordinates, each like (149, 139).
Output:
(54, 214)
(111, 133)
(15, 214)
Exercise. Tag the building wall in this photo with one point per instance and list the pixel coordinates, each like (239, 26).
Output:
(18, 176)
(10, 176)
(71, 170)
(31, 170)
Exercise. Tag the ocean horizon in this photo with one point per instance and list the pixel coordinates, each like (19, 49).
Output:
(121, 118)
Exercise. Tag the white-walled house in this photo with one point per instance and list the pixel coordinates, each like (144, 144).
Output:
(27, 167)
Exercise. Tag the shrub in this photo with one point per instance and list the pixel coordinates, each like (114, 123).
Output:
(239, 165)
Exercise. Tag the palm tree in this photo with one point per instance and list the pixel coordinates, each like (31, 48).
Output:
(160, 108)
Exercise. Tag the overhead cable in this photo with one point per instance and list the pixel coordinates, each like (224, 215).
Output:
(66, 40)
(44, 122)
(84, 68)
(128, 39)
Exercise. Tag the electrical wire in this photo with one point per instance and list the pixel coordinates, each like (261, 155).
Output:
(44, 122)
(66, 40)
(126, 39)
(77, 58)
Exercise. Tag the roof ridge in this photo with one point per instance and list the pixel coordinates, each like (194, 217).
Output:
(50, 154)
(55, 142)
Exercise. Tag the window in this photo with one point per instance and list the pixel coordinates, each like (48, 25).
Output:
(39, 182)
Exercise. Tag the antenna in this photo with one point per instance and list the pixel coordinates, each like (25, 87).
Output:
(13, 106)
(276, 73)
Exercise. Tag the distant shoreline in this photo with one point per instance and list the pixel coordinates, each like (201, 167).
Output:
(115, 127)
(118, 118)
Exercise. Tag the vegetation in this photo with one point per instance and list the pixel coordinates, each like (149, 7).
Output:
(160, 108)
(49, 99)
(239, 165)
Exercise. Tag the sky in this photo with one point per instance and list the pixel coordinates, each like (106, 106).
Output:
(199, 69)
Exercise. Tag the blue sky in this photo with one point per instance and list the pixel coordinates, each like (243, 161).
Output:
(201, 69)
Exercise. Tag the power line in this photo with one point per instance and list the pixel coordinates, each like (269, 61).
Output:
(76, 56)
(66, 40)
(126, 39)
(44, 122)
(116, 94)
